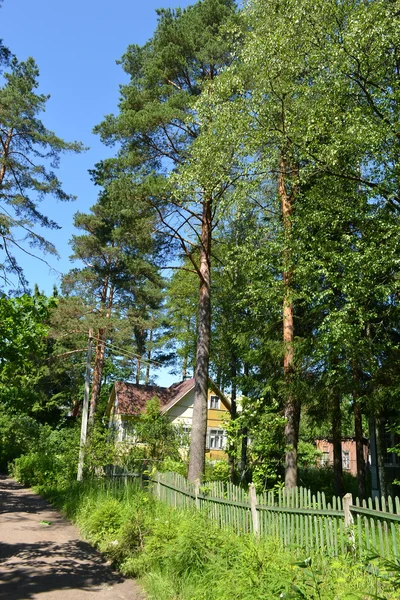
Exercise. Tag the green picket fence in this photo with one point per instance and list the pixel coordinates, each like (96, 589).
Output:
(297, 517)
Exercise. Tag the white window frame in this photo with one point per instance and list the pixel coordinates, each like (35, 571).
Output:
(187, 431)
(123, 431)
(346, 460)
(126, 432)
(324, 460)
(216, 438)
(214, 399)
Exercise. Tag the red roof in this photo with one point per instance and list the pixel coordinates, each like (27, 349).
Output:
(131, 399)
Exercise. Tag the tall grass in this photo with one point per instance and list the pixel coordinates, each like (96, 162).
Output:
(182, 555)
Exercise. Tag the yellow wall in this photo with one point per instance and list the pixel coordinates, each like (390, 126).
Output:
(181, 414)
(216, 419)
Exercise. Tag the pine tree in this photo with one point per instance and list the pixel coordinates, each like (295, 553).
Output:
(156, 128)
(28, 154)
(119, 276)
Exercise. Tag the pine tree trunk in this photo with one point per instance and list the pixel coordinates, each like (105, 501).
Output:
(147, 380)
(244, 441)
(100, 350)
(380, 455)
(184, 368)
(358, 431)
(4, 154)
(292, 408)
(337, 445)
(97, 373)
(199, 423)
(138, 368)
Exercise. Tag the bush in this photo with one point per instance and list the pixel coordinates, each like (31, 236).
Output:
(18, 434)
(182, 555)
(54, 461)
(218, 470)
(174, 466)
(321, 479)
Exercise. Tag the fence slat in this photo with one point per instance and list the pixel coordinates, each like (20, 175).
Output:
(295, 516)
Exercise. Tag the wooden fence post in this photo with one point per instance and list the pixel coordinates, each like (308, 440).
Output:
(158, 486)
(348, 517)
(253, 506)
(196, 493)
(349, 522)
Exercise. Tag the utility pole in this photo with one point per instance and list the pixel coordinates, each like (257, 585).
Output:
(85, 410)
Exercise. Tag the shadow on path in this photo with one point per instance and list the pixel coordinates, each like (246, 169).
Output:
(36, 560)
(43, 567)
(11, 501)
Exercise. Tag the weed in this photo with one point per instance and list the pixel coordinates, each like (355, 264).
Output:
(182, 555)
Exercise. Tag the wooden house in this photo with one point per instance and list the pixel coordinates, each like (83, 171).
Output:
(128, 400)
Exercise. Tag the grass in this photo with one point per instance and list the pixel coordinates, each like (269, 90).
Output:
(182, 555)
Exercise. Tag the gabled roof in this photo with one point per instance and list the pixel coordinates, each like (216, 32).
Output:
(131, 399)
(178, 391)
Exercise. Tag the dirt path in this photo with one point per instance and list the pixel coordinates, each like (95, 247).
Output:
(50, 562)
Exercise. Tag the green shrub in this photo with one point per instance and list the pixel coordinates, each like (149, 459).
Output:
(102, 522)
(18, 435)
(321, 479)
(173, 466)
(218, 470)
(34, 468)
(54, 461)
(182, 555)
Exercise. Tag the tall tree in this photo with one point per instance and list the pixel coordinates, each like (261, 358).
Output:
(28, 154)
(157, 127)
(280, 100)
(119, 275)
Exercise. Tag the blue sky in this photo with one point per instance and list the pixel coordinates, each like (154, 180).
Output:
(76, 45)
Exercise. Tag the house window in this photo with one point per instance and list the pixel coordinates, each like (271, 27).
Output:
(186, 429)
(216, 439)
(214, 402)
(126, 432)
(346, 460)
(324, 459)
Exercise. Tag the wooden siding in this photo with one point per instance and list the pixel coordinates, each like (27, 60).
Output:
(182, 414)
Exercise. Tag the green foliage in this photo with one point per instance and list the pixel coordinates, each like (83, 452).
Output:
(104, 520)
(173, 466)
(100, 449)
(182, 554)
(262, 421)
(218, 470)
(321, 479)
(154, 435)
(30, 390)
(18, 434)
(216, 102)
(52, 459)
(181, 317)
(29, 153)
(23, 348)
(307, 454)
